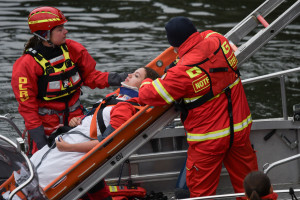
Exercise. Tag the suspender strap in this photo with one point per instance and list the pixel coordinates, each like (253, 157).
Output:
(219, 69)
(200, 101)
(67, 113)
(101, 124)
(111, 100)
(93, 127)
(99, 115)
(228, 95)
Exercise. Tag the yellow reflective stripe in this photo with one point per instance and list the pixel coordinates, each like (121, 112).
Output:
(66, 94)
(189, 100)
(145, 83)
(162, 91)
(242, 125)
(42, 63)
(44, 20)
(113, 188)
(66, 54)
(220, 133)
(210, 34)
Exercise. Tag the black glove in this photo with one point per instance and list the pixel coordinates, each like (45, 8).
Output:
(169, 66)
(174, 63)
(180, 106)
(38, 136)
(115, 79)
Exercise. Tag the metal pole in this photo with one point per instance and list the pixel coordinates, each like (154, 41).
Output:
(283, 97)
(269, 76)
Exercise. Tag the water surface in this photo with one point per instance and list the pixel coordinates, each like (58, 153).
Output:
(124, 35)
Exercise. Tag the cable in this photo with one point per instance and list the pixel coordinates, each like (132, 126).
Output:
(53, 145)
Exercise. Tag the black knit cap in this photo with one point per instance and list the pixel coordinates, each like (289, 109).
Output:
(178, 30)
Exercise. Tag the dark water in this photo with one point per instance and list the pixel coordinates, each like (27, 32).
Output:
(124, 35)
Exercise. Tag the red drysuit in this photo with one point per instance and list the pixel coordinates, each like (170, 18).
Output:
(206, 67)
(25, 76)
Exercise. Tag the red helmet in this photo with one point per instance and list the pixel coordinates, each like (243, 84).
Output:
(45, 18)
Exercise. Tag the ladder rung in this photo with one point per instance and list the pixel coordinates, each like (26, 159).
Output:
(262, 21)
(249, 23)
(233, 46)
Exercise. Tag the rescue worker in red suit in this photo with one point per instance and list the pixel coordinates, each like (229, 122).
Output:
(46, 79)
(258, 186)
(215, 110)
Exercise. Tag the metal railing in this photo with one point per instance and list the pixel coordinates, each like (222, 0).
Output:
(267, 167)
(281, 75)
(8, 118)
(28, 163)
(225, 196)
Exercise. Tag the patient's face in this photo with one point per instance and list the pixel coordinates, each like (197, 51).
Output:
(136, 78)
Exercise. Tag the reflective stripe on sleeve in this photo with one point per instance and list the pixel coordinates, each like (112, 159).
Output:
(162, 91)
(145, 83)
(210, 34)
(192, 137)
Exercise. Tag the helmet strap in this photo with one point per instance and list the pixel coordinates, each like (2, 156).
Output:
(42, 38)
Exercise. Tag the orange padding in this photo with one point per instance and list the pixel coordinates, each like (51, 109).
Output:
(163, 60)
(7, 184)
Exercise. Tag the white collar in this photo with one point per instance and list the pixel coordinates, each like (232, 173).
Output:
(130, 87)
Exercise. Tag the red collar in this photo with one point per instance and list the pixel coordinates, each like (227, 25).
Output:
(193, 40)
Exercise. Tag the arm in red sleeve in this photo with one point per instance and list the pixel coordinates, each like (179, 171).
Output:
(120, 113)
(24, 84)
(163, 90)
(92, 77)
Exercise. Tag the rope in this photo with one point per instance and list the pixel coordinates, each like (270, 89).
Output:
(121, 171)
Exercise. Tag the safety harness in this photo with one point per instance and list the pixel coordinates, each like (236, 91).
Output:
(186, 106)
(98, 113)
(60, 114)
(60, 76)
(60, 79)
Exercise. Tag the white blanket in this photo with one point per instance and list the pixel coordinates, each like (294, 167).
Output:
(57, 161)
